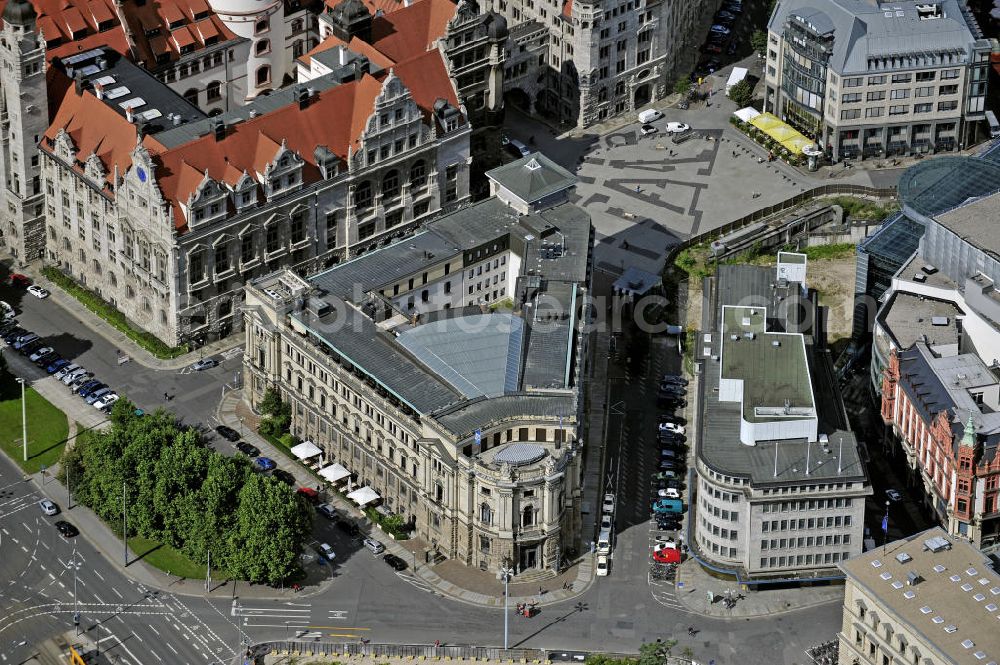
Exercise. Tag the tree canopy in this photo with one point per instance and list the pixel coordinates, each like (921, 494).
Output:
(187, 496)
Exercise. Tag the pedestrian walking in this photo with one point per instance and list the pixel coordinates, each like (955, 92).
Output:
(437, 644)
(540, 590)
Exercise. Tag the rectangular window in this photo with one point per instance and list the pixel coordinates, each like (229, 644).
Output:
(850, 114)
(923, 91)
(851, 98)
(873, 112)
(900, 93)
(876, 80)
(947, 89)
(875, 95)
(902, 78)
(925, 76)
(902, 109)
(947, 106)
(923, 108)
(853, 82)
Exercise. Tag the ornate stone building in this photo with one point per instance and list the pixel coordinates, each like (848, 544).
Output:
(459, 417)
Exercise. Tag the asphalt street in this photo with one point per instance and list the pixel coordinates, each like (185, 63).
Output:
(194, 394)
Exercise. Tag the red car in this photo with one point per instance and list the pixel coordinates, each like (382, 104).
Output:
(19, 280)
(667, 555)
(309, 493)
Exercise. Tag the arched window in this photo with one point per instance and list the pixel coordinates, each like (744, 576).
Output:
(191, 95)
(112, 279)
(262, 47)
(527, 516)
(363, 195)
(485, 514)
(263, 75)
(390, 185)
(97, 267)
(146, 307)
(129, 293)
(418, 174)
(214, 90)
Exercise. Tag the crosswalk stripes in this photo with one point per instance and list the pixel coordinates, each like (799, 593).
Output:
(419, 584)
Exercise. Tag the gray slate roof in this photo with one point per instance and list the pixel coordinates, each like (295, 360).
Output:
(532, 178)
(862, 28)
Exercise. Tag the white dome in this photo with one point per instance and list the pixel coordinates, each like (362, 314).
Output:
(242, 7)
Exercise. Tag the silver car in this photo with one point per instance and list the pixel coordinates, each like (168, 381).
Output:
(48, 507)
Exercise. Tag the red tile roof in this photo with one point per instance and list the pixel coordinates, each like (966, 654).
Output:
(355, 46)
(567, 9)
(427, 80)
(410, 31)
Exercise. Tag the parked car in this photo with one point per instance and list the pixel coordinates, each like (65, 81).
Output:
(676, 127)
(84, 393)
(24, 340)
(6, 311)
(719, 29)
(39, 352)
(326, 552)
(670, 402)
(674, 378)
(19, 280)
(725, 15)
(664, 475)
(67, 529)
(609, 504)
(48, 507)
(310, 495)
(228, 433)
(668, 506)
(7, 326)
(283, 476)
(394, 562)
(602, 565)
(327, 511)
(247, 449)
(47, 359)
(66, 369)
(56, 365)
(646, 130)
(204, 363)
(77, 377)
(348, 527)
(672, 428)
(97, 394)
(108, 400)
(894, 495)
(668, 493)
(374, 546)
(668, 522)
(712, 47)
(667, 555)
(264, 463)
(517, 149)
(606, 521)
(38, 291)
(32, 346)
(669, 465)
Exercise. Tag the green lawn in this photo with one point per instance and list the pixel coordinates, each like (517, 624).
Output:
(169, 560)
(47, 427)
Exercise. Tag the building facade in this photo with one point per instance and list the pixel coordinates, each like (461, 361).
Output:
(582, 62)
(929, 599)
(944, 413)
(166, 212)
(781, 486)
(457, 417)
(878, 79)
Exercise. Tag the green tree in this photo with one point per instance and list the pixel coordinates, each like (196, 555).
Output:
(271, 404)
(682, 85)
(741, 93)
(655, 653)
(271, 527)
(758, 40)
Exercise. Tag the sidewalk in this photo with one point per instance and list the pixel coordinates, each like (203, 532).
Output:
(121, 341)
(449, 578)
(694, 583)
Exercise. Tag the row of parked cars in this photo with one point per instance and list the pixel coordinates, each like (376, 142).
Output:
(720, 39)
(78, 378)
(667, 503)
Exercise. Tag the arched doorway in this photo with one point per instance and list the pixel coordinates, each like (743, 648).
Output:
(519, 98)
(642, 95)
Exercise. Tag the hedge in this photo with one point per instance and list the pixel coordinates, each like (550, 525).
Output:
(110, 314)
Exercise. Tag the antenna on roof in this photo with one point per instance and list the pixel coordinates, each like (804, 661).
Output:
(808, 450)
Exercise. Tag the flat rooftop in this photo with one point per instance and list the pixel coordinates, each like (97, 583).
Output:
(834, 458)
(915, 266)
(976, 223)
(955, 603)
(910, 318)
(772, 366)
(124, 84)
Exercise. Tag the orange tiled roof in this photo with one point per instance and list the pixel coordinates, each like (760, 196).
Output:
(567, 9)
(410, 31)
(194, 22)
(355, 46)
(427, 80)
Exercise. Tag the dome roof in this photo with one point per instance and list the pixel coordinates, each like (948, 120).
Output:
(19, 12)
(498, 27)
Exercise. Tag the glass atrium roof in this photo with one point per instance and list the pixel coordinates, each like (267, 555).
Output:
(935, 185)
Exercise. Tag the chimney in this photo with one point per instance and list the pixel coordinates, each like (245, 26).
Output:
(78, 82)
(303, 97)
(99, 90)
(128, 114)
(219, 129)
(140, 127)
(176, 117)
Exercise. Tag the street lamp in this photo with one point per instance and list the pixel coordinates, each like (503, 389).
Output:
(24, 419)
(241, 426)
(506, 571)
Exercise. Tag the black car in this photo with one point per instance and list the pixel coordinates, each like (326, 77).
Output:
(13, 334)
(31, 347)
(7, 327)
(283, 476)
(228, 433)
(394, 561)
(67, 529)
(47, 359)
(348, 527)
(247, 449)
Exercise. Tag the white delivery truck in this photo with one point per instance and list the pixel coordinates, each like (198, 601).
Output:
(649, 115)
(737, 75)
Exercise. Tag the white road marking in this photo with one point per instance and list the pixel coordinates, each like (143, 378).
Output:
(118, 593)
(171, 647)
(155, 631)
(99, 599)
(99, 575)
(156, 654)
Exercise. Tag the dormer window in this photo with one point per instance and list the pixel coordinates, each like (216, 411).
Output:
(246, 198)
(199, 214)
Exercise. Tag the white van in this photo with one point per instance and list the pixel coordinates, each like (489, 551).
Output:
(604, 542)
(375, 546)
(649, 115)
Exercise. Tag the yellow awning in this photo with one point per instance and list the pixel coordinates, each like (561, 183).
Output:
(790, 138)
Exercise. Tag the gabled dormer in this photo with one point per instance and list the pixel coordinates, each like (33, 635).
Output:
(278, 169)
(245, 192)
(206, 202)
(395, 125)
(94, 171)
(64, 148)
